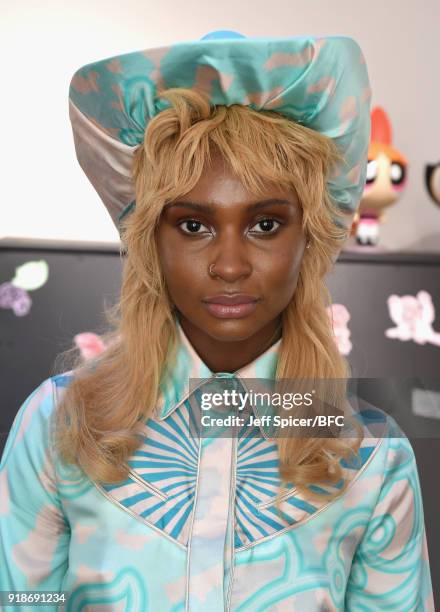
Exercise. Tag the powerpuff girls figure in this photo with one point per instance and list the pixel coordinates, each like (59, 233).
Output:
(386, 179)
(432, 179)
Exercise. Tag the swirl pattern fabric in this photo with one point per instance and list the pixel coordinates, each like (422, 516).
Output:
(194, 527)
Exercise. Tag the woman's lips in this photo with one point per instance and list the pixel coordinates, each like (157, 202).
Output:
(231, 311)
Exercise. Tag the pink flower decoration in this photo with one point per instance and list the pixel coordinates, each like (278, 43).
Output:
(15, 298)
(89, 344)
(340, 316)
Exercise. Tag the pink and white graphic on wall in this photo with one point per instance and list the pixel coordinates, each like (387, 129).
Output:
(14, 294)
(89, 344)
(414, 317)
(340, 316)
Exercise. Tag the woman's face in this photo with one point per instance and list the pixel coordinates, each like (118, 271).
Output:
(254, 246)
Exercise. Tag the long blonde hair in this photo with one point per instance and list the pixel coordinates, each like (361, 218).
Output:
(101, 415)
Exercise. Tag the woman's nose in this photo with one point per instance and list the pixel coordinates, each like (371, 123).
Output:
(229, 258)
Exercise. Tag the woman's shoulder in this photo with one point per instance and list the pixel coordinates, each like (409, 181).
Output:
(386, 452)
(31, 430)
(381, 425)
(61, 381)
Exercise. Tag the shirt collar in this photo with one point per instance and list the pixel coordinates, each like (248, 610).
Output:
(175, 389)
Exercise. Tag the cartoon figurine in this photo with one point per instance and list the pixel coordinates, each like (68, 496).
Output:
(386, 179)
(432, 178)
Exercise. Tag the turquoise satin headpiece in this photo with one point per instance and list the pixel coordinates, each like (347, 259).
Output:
(320, 82)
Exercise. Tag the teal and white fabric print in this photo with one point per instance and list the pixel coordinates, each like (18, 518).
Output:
(194, 527)
(320, 82)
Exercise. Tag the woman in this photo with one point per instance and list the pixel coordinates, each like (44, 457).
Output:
(244, 182)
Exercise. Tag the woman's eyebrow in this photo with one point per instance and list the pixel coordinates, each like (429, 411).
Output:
(210, 207)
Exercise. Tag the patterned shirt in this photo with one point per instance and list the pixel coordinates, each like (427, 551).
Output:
(195, 528)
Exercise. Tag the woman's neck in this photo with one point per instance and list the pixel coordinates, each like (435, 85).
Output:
(230, 355)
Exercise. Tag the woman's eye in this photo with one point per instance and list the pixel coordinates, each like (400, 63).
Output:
(267, 226)
(193, 226)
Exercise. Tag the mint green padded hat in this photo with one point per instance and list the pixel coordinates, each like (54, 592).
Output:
(320, 82)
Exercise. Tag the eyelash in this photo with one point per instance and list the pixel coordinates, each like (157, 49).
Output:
(257, 223)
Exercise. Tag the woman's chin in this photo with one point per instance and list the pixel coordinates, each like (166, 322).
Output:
(230, 330)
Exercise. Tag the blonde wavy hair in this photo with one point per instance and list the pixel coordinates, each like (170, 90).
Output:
(100, 419)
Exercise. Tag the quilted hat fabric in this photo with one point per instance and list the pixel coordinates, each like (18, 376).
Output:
(319, 82)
